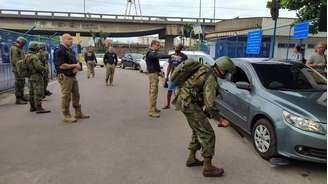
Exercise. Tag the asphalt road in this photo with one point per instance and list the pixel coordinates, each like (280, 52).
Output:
(121, 145)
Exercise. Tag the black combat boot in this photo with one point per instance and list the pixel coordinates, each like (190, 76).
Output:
(20, 101)
(48, 93)
(41, 110)
(32, 108)
(25, 99)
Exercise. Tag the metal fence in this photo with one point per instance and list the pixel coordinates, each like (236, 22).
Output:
(234, 44)
(7, 79)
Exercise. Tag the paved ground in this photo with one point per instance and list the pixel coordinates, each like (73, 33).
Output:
(121, 145)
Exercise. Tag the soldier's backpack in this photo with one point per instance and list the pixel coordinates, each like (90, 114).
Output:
(23, 68)
(183, 71)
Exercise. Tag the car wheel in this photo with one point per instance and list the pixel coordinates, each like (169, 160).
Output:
(123, 66)
(264, 139)
(135, 67)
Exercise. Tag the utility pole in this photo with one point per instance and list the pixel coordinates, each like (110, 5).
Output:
(84, 6)
(275, 15)
(214, 9)
(200, 9)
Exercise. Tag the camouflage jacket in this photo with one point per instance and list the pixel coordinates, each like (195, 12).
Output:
(15, 54)
(200, 92)
(44, 59)
(36, 66)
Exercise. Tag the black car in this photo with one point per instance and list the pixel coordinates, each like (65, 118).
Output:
(132, 60)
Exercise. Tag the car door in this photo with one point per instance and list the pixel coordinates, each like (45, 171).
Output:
(129, 60)
(235, 101)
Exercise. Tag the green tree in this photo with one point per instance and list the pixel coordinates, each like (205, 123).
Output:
(305, 10)
(188, 31)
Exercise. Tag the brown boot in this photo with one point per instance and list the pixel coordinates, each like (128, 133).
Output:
(41, 110)
(211, 171)
(81, 115)
(69, 119)
(153, 114)
(20, 101)
(192, 161)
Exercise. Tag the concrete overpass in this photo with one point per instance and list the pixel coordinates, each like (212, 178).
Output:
(48, 22)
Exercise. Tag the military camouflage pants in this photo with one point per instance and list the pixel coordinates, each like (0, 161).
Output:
(110, 70)
(19, 85)
(153, 91)
(203, 136)
(46, 80)
(69, 89)
(91, 68)
(36, 91)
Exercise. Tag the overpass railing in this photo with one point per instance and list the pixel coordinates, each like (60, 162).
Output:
(79, 15)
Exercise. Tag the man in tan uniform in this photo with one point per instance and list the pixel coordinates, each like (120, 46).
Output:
(110, 61)
(67, 68)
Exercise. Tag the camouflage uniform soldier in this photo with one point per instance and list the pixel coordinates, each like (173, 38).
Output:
(36, 70)
(91, 60)
(67, 68)
(44, 59)
(199, 93)
(15, 54)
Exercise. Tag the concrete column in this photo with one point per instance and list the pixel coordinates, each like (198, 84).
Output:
(169, 43)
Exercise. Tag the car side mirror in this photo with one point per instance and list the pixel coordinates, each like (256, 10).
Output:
(244, 85)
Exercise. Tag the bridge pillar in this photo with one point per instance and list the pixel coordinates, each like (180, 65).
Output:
(169, 43)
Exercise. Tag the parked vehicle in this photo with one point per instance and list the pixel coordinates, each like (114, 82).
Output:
(281, 105)
(143, 65)
(100, 59)
(132, 60)
(195, 55)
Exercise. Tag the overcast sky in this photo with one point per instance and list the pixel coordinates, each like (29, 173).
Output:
(183, 8)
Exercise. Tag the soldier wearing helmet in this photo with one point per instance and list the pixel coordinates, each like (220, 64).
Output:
(37, 70)
(197, 100)
(43, 54)
(15, 54)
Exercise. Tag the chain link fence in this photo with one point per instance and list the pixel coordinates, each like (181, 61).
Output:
(7, 38)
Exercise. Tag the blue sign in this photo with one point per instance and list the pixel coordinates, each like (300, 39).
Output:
(301, 30)
(254, 42)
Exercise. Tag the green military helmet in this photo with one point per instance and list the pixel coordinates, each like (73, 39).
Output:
(21, 40)
(33, 46)
(225, 63)
(42, 45)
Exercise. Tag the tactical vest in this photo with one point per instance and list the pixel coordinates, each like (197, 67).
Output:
(192, 90)
(90, 56)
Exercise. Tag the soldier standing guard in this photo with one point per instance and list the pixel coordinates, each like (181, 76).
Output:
(15, 54)
(36, 70)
